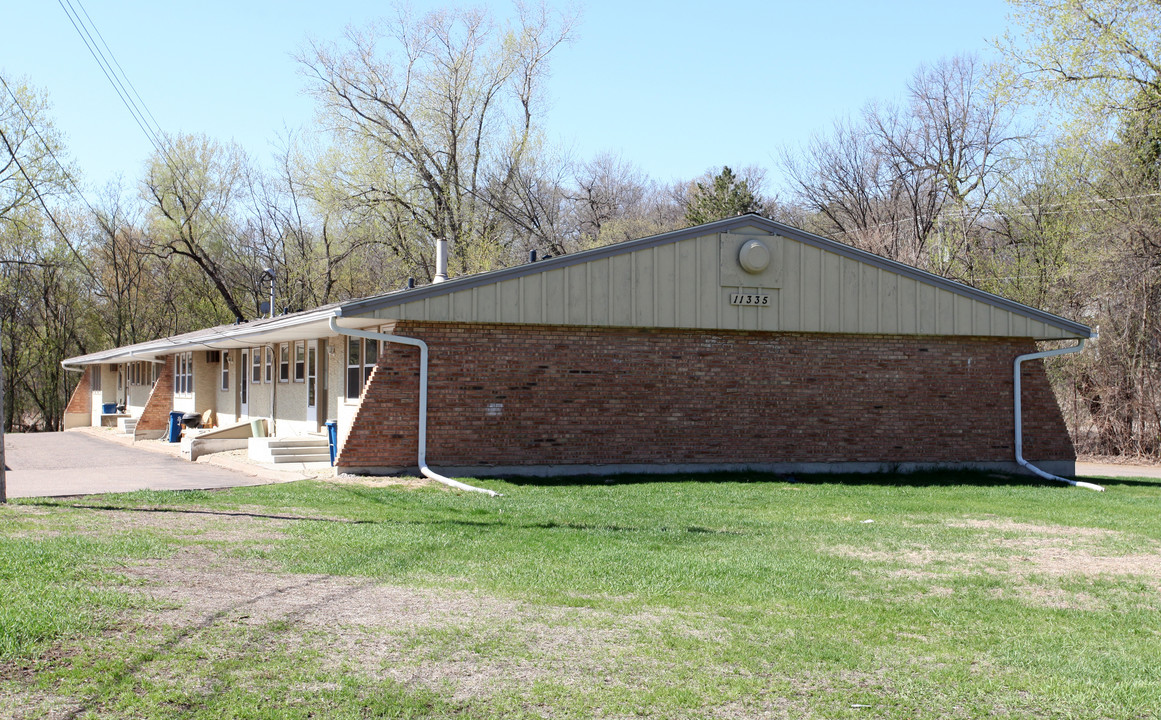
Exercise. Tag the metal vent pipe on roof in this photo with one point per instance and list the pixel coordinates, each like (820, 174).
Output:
(440, 261)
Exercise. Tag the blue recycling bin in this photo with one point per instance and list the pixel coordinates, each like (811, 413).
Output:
(109, 409)
(333, 438)
(175, 425)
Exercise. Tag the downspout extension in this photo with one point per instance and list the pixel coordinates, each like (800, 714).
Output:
(1019, 414)
(414, 342)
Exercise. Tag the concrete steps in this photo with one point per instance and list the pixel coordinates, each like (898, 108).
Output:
(302, 449)
(127, 425)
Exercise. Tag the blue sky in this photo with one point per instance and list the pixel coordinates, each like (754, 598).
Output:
(675, 87)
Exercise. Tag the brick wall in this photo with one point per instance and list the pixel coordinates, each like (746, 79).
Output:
(514, 394)
(154, 419)
(81, 401)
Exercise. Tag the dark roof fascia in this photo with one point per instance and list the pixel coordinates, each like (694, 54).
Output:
(368, 305)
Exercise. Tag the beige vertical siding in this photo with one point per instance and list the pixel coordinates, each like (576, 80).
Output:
(688, 284)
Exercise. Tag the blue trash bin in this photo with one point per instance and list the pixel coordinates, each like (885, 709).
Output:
(175, 425)
(333, 438)
(109, 409)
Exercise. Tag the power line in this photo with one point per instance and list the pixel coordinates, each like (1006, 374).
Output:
(45, 144)
(135, 104)
(119, 68)
(40, 198)
(107, 69)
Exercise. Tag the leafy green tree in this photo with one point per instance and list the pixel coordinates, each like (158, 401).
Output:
(726, 195)
(1094, 56)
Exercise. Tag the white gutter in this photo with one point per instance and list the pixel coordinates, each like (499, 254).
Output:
(414, 342)
(1019, 422)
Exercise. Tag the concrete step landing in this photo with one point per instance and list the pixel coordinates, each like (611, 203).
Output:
(301, 449)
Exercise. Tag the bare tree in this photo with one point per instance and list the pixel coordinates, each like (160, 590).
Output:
(436, 127)
(192, 188)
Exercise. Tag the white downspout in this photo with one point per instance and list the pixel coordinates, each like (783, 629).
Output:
(274, 362)
(414, 342)
(1019, 422)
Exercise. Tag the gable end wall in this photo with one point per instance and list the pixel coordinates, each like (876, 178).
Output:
(536, 395)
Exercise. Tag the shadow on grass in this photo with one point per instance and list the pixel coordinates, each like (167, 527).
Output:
(926, 478)
(1127, 481)
(194, 511)
(370, 496)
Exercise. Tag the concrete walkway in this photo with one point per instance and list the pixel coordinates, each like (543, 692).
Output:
(79, 463)
(1099, 470)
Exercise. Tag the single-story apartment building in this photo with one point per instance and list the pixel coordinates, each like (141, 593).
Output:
(742, 343)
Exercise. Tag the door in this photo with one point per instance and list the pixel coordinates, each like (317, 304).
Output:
(242, 375)
(312, 383)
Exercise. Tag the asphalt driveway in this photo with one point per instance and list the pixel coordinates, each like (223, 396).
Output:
(74, 463)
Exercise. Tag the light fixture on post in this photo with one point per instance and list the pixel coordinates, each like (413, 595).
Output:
(269, 272)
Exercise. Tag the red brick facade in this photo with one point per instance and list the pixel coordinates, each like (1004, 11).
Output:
(81, 401)
(538, 395)
(155, 416)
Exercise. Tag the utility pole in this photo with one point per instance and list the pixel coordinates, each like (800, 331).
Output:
(3, 480)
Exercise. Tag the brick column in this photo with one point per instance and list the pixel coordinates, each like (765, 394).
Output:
(79, 411)
(82, 397)
(154, 418)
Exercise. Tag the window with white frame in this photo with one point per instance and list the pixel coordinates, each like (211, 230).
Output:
(255, 366)
(95, 382)
(300, 361)
(225, 369)
(361, 358)
(284, 362)
(269, 364)
(183, 374)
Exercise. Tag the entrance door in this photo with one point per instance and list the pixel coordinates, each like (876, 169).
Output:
(242, 375)
(312, 383)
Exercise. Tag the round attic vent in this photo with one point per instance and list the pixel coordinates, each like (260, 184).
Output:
(754, 256)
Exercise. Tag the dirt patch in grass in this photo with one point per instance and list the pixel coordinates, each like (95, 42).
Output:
(25, 703)
(469, 643)
(1025, 555)
(380, 481)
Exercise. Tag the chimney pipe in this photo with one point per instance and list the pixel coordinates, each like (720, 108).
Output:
(440, 261)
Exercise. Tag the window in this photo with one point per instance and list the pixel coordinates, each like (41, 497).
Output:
(183, 374)
(95, 382)
(255, 366)
(361, 358)
(284, 362)
(299, 361)
(269, 363)
(226, 370)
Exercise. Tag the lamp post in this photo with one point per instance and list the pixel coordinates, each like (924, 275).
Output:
(269, 272)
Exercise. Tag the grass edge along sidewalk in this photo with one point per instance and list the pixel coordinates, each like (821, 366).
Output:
(728, 596)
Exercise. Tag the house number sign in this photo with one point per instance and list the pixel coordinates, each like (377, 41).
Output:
(749, 300)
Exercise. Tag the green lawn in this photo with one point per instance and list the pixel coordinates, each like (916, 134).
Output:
(730, 596)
